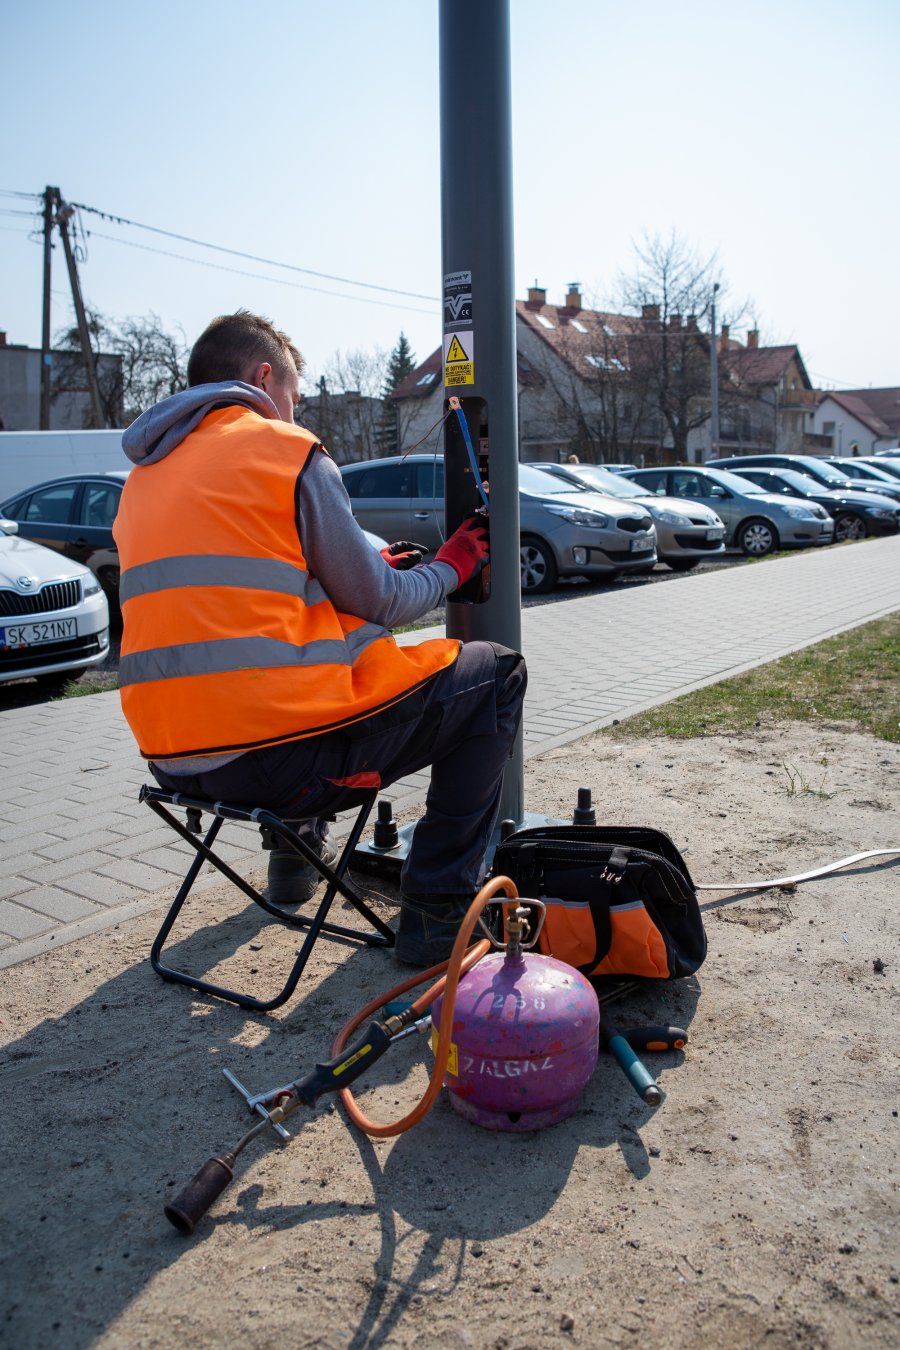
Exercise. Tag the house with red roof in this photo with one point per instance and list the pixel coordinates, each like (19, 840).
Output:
(633, 388)
(856, 421)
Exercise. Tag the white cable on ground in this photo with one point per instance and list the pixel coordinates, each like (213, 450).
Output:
(802, 876)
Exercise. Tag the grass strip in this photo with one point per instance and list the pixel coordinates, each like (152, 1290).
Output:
(854, 677)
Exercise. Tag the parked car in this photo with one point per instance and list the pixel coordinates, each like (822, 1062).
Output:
(684, 535)
(892, 452)
(855, 514)
(756, 522)
(54, 619)
(873, 474)
(812, 465)
(564, 531)
(888, 466)
(74, 516)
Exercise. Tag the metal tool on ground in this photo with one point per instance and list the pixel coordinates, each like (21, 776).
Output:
(623, 1045)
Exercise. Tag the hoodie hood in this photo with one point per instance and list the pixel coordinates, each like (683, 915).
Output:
(161, 428)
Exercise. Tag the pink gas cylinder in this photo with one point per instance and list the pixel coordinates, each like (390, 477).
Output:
(525, 1040)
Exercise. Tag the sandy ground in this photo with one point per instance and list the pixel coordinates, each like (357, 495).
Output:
(757, 1205)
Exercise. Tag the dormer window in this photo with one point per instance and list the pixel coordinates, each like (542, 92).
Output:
(605, 362)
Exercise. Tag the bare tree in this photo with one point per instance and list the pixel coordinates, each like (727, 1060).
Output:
(670, 292)
(345, 406)
(150, 364)
(154, 363)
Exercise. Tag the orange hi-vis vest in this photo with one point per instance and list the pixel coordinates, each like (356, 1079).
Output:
(229, 642)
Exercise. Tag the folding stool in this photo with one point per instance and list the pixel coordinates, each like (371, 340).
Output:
(275, 832)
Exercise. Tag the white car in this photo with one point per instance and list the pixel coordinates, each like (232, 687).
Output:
(54, 619)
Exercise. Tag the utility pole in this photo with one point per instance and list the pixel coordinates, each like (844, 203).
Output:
(480, 317)
(713, 380)
(51, 198)
(63, 215)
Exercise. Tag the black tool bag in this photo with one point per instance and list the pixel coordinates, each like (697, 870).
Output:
(620, 900)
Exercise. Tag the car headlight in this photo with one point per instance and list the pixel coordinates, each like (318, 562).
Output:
(578, 515)
(669, 517)
(799, 513)
(91, 585)
(882, 512)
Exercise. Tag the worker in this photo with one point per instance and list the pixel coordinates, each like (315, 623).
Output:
(257, 664)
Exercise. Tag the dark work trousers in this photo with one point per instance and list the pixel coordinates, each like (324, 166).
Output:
(463, 723)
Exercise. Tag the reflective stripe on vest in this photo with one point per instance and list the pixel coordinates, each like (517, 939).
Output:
(244, 653)
(219, 569)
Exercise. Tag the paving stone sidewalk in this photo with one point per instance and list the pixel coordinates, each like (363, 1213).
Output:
(78, 853)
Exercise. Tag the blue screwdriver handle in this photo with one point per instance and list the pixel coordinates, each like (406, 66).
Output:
(638, 1076)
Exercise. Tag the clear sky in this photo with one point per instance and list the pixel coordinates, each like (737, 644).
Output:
(307, 133)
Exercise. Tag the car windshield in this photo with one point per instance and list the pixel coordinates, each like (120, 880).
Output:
(891, 467)
(833, 477)
(534, 483)
(873, 471)
(801, 481)
(601, 480)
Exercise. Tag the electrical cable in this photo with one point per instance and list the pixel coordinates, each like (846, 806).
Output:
(456, 407)
(241, 272)
(801, 876)
(251, 257)
(415, 445)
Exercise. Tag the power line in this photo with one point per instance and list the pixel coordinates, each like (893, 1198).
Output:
(250, 257)
(32, 196)
(830, 379)
(275, 281)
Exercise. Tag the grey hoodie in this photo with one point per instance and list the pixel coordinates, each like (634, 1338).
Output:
(157, 431)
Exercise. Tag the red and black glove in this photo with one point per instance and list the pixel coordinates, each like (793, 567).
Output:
(468, 549)
(404, 554)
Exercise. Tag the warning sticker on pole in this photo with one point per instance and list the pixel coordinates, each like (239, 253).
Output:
(459, 358)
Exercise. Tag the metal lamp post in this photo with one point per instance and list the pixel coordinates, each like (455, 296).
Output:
(479, 318)
(713, 379)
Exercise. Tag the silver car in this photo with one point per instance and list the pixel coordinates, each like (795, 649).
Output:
(685, 535)
(54, 619)
(564, 531)
(756, 522)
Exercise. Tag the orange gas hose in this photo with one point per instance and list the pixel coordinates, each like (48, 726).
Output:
(460, 961)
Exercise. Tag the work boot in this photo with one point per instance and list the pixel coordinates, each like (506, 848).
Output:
(428, 928)
(293, 880)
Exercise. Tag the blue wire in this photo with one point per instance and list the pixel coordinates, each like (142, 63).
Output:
(472, 460)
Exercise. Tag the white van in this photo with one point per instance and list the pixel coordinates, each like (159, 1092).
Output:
(29, 457)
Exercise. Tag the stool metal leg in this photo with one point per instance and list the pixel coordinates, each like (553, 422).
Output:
(382, 936)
